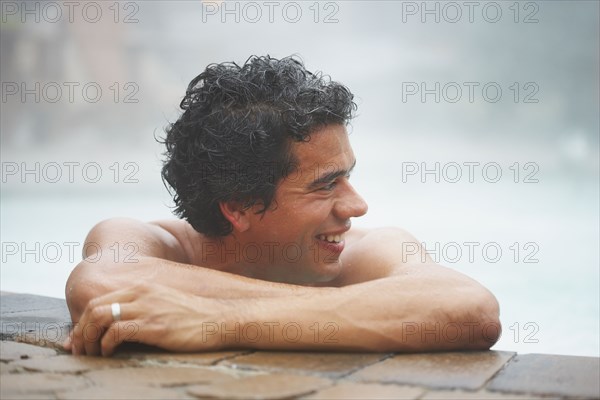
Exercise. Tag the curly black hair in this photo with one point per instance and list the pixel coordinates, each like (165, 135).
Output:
(233, 140)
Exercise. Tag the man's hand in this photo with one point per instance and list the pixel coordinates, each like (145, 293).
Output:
(151, 314)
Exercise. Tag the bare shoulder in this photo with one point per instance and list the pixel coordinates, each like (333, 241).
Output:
(386, 241)
(377, 253)
(112, 244)
(186, 236)
(117, 230)
(150, 239)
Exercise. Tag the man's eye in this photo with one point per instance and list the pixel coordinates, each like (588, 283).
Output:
(329, 187)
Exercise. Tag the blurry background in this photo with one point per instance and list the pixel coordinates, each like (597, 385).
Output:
(87, 86)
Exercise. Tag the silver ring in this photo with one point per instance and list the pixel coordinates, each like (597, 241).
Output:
(116, 311)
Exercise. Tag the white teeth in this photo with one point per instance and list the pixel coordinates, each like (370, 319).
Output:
(331, 238)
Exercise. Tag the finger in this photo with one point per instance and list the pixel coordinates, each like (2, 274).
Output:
(92, 328)
(67, 342)
(117, 333)
(76, 339)
(92, 334)
(104, 321)
(98, 313)
(87, 334)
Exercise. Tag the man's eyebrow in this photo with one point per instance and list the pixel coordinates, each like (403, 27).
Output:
(331, 176)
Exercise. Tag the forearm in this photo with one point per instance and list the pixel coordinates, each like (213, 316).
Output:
(92, 279)
(394, 314)
(403, 313)
(202, 281)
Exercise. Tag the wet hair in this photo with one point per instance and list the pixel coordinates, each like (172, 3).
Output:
(233, 140)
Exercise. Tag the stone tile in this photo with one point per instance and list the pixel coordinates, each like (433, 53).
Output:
(135, 350)
(35, 328)
(456, 370)
(329, 364)
(71, 364)
(157, 376)
(270, 386)
(550, 375)
(7, 369)
(34, 319)
(29, 396)
(26, 384)
(479, 395)
(352, 390)
(123, 393)
(10, 351)
(17, 302)
(188, 358)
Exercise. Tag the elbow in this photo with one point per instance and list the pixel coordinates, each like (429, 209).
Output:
(81, 287)
(485, 315)
(472, 320)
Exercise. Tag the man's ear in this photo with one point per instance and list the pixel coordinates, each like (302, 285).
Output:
(236, 214)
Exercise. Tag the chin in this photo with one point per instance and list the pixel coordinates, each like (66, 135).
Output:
(320, 273)
(327, 272)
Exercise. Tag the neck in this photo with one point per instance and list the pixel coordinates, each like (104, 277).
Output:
(241, 256)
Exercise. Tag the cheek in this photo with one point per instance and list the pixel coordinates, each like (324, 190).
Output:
(291, 218)
(314, 213)
(322, 207)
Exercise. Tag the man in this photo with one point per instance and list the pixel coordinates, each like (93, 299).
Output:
(265, 256)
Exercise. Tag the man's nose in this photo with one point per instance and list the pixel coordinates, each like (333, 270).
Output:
(350, 204)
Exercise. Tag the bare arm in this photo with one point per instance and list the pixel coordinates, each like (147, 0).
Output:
(402, 305)
(123, 252)
(401, 313)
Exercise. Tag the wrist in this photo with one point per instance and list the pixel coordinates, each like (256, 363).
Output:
(222, 327)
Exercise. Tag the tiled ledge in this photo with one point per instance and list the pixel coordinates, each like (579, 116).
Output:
(33, 365)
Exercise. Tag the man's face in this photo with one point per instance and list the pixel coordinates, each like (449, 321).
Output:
(303, 231)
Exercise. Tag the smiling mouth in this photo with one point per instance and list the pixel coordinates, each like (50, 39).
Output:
(331, 238)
